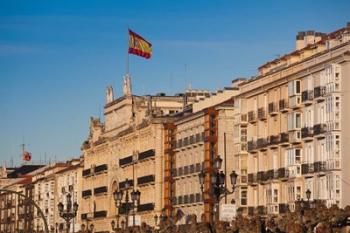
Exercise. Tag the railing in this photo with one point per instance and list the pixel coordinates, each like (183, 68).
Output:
(306, 132)
(284, 137)
(261, 176)
(274, 139)
(147, 154)
(320, 129)
(319, 91)
(261, 113)
(272, 108)
(252, 145)
(269, 175)
(307, 168)
(262, 143)
(307, 95)
(251, 116)
(283, 105)
(283, 173)
(320, 166)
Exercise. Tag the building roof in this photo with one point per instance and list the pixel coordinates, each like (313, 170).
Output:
(22, 170)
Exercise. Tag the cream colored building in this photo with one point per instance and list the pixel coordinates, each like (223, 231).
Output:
(128, 145)
(197, 136)
(290, 126)
(45, 194)
(68, 181)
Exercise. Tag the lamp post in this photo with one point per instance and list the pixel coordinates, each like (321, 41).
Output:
(218, 179)
(69, 213)
(155, 220)
(135, 198)
(304, 206)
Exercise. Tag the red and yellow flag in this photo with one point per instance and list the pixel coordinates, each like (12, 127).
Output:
(139, 46)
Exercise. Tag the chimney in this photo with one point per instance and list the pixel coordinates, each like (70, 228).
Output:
(300, 41)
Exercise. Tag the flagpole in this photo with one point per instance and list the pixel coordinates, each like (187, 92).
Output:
(127, 53)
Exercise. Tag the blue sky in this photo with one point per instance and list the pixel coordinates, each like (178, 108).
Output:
(57, 57)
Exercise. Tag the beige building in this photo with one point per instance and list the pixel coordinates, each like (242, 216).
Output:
(128, 145)
(290, 129)
(45, 194)
(68, 181)
(195, 138)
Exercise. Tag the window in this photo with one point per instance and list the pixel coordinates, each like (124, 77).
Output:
(294, 88)
(293, 156)
(294, 120)
(244, 196)
(275, 195)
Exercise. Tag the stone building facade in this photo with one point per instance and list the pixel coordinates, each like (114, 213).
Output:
(128, 145)
(68, 181)
(290, 127)
(197, 136)
(45, 195)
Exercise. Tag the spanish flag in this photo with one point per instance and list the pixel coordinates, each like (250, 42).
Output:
(139, 46)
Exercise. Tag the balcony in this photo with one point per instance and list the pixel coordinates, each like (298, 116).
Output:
(307, 97)
(145, 207)
(307, 169)
(274, 140)
(100, 214)
(261, 176)
(86, 193)
(198, 167)
(283, 173)
(100, 190)
(101, 168)
(320, 166)
(147, 154)
(283, 105)
(319, 130)
(125, 161)
(143, 180)
(319, 93)
(273, 109)
(252, 146)
(284, 139)
(262, 114)
(252, 117)
(262, 144)
(307, 133)
(269, 175)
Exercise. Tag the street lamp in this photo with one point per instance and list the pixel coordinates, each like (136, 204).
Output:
(218, 179)
(135, 199)
(68, 214)
(155, 220)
